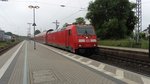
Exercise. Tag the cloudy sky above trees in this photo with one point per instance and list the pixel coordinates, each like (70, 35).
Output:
(15, 14)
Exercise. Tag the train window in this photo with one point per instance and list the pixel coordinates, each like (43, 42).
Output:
(69, 32)
(82, 30)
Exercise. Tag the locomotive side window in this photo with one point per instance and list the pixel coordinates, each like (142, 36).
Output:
(82, 30)
(69, 32)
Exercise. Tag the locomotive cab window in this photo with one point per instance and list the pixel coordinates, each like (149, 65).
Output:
(85, 30)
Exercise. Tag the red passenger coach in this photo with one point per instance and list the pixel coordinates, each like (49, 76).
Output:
(41, 37)
(75, 38)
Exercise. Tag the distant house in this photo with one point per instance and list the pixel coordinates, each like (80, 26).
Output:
(146, 32)
(4, 37)
(2, 33)
(7, 37)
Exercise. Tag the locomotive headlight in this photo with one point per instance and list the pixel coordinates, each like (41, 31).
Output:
(81, 40)
(93, 40)
(80, 45)
(94, 45)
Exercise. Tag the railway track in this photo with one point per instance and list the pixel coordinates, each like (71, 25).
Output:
(138, 62)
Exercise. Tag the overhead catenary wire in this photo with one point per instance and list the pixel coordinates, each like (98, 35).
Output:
(48, 4)
(6, 19)
(53, 4)
(70, 15)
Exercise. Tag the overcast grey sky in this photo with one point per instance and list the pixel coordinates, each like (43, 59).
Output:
(15, 14)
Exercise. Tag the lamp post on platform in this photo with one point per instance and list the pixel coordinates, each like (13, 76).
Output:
(3, 0)
(149, 39)
(34, 24)
(29, 31)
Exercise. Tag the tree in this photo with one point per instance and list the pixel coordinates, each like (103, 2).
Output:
(9, 33)
(80, 20)
(112, 19)
(65, 25)
(37, 32)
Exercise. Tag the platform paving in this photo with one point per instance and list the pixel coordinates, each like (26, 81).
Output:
(53, 68)
(48, 65)
(125, 48)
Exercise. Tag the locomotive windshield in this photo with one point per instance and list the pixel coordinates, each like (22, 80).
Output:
(85, 30)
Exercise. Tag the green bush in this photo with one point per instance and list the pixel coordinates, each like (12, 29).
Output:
(125, 43)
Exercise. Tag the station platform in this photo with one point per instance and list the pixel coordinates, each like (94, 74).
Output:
(125, 48)
(48, 65)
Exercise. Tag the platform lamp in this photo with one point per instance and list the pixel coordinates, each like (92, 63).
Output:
(149, 39)
(34, 24)
(3, 0)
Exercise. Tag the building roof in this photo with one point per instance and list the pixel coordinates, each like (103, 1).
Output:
(145, 29)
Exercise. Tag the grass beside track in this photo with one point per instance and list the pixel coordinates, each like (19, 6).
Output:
(144, 44)
(4, 44)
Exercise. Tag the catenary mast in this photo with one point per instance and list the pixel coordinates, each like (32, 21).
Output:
(139, 15)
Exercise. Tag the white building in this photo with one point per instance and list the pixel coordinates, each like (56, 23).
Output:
(7, 37)
(146, 32)
(2, 33)
(4, 37)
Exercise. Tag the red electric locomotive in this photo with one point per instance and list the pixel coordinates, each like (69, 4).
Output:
(75, 38)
